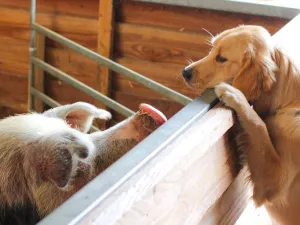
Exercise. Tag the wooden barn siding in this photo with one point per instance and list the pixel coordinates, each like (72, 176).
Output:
(154, 40)
(77, 20)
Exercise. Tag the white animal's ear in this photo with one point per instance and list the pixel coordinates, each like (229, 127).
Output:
(60, 156)
(79, 115)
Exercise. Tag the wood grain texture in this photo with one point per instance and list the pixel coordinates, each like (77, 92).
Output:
(14, 26)
(85, 70)
(9, 111)
(105, 41)
(159, 44)
(167, 74)
(38, 81)
(14, 91)
(14, 59)
(190, 19)
(228, 208)
(76, 8)
(104, 47)
(78, 66)
(170, 189)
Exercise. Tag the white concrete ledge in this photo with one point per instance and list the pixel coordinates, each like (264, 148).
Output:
(276, 8)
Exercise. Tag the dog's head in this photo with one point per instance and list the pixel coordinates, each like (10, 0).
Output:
(242, 55)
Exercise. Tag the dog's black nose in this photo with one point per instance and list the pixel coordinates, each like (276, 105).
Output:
(187, 74)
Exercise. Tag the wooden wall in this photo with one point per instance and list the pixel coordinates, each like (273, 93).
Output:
(154, 40)
(76, 19)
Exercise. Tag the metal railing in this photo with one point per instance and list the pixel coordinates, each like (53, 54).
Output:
(130, 74)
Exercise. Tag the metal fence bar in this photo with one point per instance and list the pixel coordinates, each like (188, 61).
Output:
(46, 99)
(82, 87)
(31, 49)
(51, 102)
(130, 74)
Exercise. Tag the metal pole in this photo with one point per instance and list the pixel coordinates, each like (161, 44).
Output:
(130, 74)
(46, 99)
(82, 87)
(51, 102)
(31, 50)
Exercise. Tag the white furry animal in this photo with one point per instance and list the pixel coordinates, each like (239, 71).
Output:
(46, 158)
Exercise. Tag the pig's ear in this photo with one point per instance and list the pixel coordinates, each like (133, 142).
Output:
(79, 115)
(60, 158)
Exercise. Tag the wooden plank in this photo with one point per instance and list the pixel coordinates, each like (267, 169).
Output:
(168, 74)
(14, 91)
(235, 206)
(14, 59)
(8, 111)
(159, 44)
(38, 81)
(170, 190)
(105, 39)
(104, 48)
(65, 94)
(80, 8)
(78, 66)
(14, 26)
(85, 70)
(190, 19)
(231, 205)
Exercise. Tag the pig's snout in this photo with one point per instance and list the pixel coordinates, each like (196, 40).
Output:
(155, 114)
(116, 141)
(145, 121)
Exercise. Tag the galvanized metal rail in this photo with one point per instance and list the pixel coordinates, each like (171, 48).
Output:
(34, 27)
(50, 102)
(82, 87)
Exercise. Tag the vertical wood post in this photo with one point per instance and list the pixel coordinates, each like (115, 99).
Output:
(104, 46)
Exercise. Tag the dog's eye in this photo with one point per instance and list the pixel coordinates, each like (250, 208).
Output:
(220, 59)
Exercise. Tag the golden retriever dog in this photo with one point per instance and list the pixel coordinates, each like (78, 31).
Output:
(261, 73)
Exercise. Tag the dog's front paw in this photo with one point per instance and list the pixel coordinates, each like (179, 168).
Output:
(231, 96)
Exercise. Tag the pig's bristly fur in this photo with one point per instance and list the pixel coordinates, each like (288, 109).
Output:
(44, 159)
(25, 215)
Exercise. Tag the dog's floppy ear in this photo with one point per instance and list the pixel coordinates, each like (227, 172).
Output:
(79, 115)
(257, 74)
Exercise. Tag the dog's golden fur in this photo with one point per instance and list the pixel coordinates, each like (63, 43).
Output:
(261, 72)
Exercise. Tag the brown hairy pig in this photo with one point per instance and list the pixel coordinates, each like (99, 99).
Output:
(45, 158)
